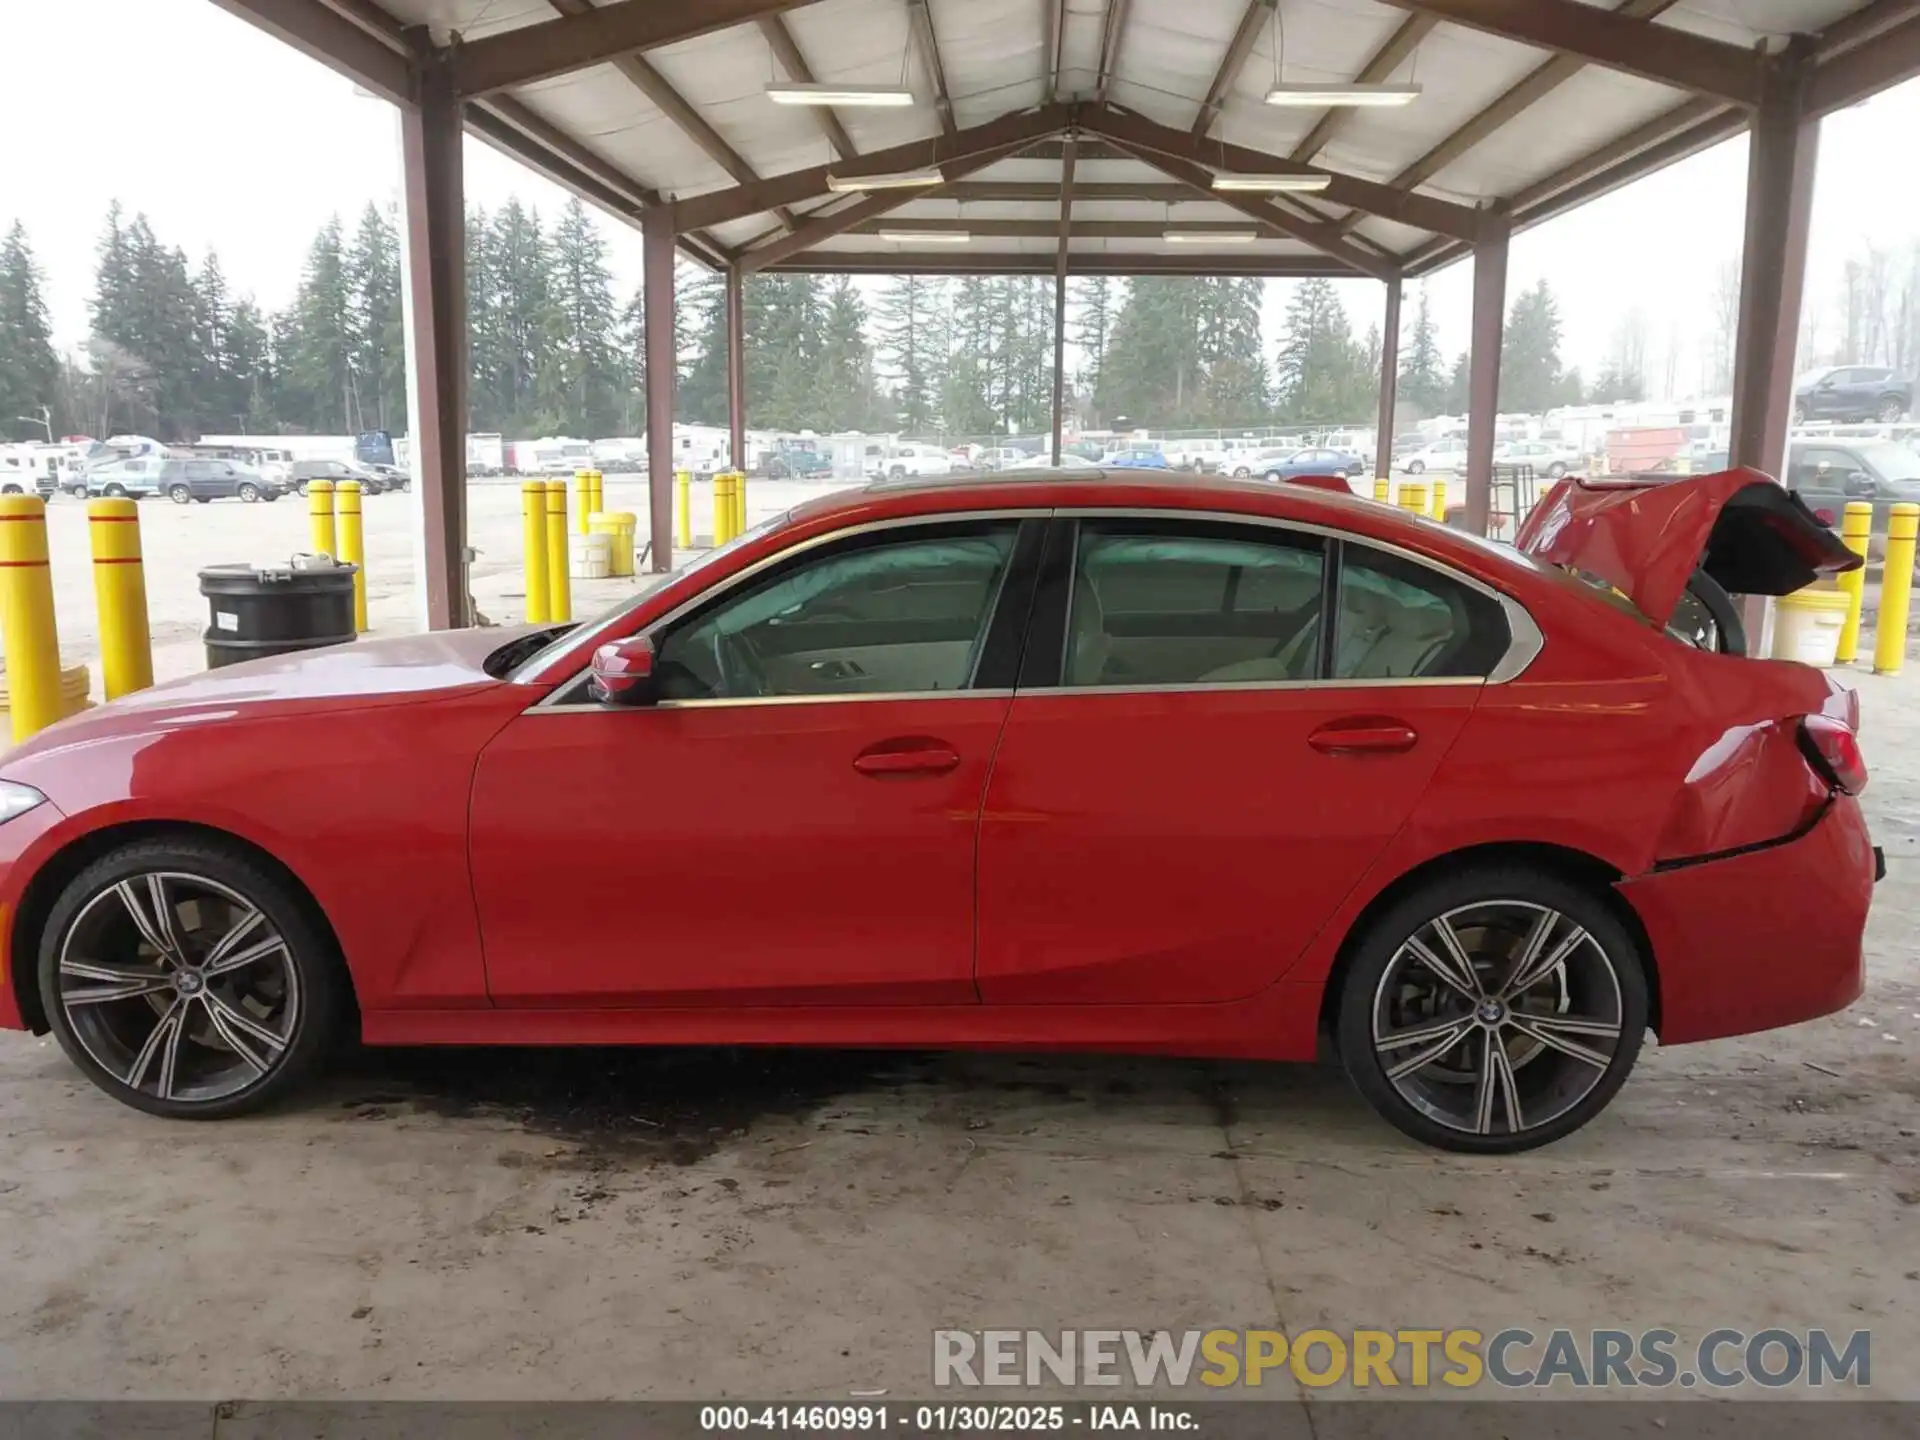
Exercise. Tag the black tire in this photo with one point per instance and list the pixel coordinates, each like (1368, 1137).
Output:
(898, 472)
(1799, 414)
(1416, 467)
(11, 490)
(1891, 409)
(1556, 471)
(302, 488)
(115, 491)
(312, 995)
(1616, 986)
(249, 492)
(1273, 477)
(180, 494)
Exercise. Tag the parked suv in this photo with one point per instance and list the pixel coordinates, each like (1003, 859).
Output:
(305, 472)
(901, 461)
(1852, 393)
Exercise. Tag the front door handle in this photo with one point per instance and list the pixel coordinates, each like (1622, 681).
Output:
(1364, 735)
(912, 755)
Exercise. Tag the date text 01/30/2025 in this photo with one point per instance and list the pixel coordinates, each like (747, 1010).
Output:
(1015, 1419)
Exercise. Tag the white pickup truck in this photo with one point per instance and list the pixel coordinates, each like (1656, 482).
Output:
(897, 462)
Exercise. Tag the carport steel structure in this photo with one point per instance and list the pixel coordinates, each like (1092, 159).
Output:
(1071, 134)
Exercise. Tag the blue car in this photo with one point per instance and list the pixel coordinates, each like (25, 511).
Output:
(1276, 466)
(1138, 457)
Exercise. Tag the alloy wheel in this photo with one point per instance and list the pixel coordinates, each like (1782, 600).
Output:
(1497, 1018)
(179, 987)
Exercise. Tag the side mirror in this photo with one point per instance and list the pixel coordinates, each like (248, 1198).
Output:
(1859, 483)
(623, 672)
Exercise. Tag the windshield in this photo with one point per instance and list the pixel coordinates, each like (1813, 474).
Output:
(1892, 462)
(1813, 377)
(533, 664)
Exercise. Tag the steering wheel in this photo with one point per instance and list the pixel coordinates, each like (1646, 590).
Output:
(737, 666)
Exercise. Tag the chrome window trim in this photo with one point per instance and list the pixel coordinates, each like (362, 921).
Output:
(1524, 642)
(552, 701)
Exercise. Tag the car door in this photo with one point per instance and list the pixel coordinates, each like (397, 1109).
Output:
(1191, 776)
(794, 822)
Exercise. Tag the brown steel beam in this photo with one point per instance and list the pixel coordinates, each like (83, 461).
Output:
(697, 212)
(1403, 42)
(1047, 229)
(1782, 153)
(1056, 42)
(1047, 192)
(1060, 260)
(656, 253)
(1483, 375)
(1088, 149)
(787, 51)
(1862, 26)
(1602, 37)
(432, 133)
(1231, 64)
(988, 262)
(920, 17)
(1113, 34)
(1893, 56)
(1389, 383)
(573, 42)
(1320, 234)
(1576, 184)
(1529, 90)
(325, 35)
(1424, 212)
(864, 211)
(368, 15)
(736, 368)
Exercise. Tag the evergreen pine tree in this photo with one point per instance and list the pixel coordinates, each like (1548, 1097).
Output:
(581, 383)
(317, 339)
(377, 343)
(1530, 378)
(1319, 368)
(29, 369)
(902, 314)
(1422, 387)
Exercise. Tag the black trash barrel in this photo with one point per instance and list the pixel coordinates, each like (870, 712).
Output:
(274, 610)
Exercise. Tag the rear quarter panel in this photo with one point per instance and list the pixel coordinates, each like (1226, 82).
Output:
(366, 807)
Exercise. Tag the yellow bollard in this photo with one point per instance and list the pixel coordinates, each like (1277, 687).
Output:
(739, 502)
(722, 507)
(1413, 497)
(533, 540)
(26, 616)
(583, 496)
(1856, 526)
(1440, 501)
(1896, 589)
(1383, 489)
(599, 496)
(320, 516)
(120, 592)
(559, 585)
(683, 509)
(352, 538)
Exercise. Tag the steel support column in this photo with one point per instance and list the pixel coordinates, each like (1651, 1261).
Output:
(736, 368)
(431, 136)
(1773, 266)
(1389, 383)
(657, 256)
(1483, 381)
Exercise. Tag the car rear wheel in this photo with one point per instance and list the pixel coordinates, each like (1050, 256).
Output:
(115, 492)
(250, 493)
(1416, 467)
(1891, 409)
(187, 980)
(1493, 1010)
(180, 494)
(1556, 470)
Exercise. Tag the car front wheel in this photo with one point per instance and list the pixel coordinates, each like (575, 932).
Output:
(1799, 414)
(115, 492)
(1416, 467)
(1556, 470)
(186, 979)
(1493, 1010)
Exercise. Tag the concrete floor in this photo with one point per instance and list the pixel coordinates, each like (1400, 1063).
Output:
(698, 1224)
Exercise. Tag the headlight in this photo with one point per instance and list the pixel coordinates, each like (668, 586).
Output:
(17, 799)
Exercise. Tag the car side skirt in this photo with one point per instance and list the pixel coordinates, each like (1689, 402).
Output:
(1278, 1024)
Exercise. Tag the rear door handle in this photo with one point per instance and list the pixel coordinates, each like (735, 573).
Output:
(907, 757)
(1364, 735)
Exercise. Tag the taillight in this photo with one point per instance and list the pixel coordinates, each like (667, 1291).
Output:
(1833, 750)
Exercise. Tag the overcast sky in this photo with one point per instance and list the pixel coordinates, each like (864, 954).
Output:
(228, 139)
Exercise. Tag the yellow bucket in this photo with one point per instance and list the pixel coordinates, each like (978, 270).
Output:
(75, 683)
(1807, 625)
(618, 526)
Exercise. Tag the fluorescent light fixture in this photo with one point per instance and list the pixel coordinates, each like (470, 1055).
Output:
(893, 95)
(901, 180)
(1317, 95)
(1210, 237)
(1273, 184)
(926, 237)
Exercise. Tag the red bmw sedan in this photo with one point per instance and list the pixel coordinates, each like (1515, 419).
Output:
(1107, 762)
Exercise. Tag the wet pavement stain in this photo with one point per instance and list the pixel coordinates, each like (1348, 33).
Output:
(640, 1105)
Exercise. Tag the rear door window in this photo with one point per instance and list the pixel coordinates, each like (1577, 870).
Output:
(1400, 620)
